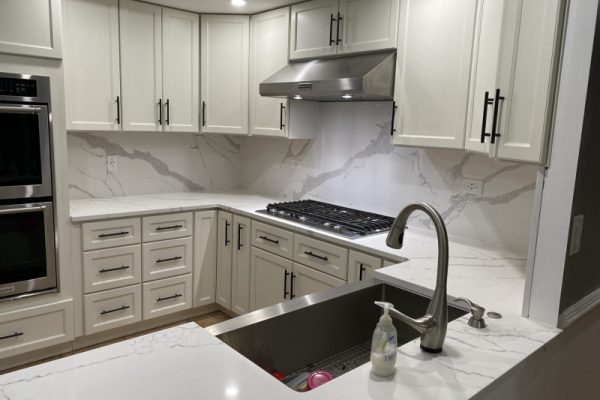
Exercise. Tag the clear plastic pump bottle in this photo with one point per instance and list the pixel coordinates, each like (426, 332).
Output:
(385, 343)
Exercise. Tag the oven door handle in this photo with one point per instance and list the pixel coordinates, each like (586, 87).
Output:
(22, 210)
(21, 109)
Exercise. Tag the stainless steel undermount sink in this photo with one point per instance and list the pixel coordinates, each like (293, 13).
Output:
(331, 330)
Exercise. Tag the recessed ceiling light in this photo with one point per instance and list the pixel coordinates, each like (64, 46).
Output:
(347, 96)
(297, 97)
(238, 3)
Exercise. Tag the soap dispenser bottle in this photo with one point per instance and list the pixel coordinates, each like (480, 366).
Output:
(385, 343)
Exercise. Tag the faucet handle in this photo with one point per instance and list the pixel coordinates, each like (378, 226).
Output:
(477, 312)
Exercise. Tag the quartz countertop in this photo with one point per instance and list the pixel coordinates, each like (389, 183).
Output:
(186, 362)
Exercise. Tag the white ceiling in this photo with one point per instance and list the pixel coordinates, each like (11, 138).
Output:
(224, 6)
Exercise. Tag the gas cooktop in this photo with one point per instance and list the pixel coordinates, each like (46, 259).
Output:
(344, 221)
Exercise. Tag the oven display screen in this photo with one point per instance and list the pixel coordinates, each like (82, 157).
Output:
(18, 87)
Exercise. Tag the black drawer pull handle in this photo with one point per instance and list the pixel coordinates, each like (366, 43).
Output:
(310, 253)
(175, 296)
(285, 291)
(227, 233)
(104, 312)
(118, 110)
(292, 295)
(168, 112)
(331, 21)
(268, 239)
(394, 108)
(13, 335)
(105, 235)
(281, 110)
(166, 228)
(338, 40)
(497, 100)
(122, 267)
(160, 106)
(162, 260)
(361, 272)
(203, 113)
(487, 101)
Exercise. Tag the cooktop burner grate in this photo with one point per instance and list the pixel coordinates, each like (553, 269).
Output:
(345, 221)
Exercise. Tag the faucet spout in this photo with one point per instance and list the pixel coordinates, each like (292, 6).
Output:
(434, 324)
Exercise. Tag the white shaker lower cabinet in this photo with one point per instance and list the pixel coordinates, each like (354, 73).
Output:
(205, 258)
(269, 279)
(240, 271)
(361, 266)
(224, 258)
(111, 268)
(35, 328)
(93, 87)
(112, 308)
(167, 296)
(225, 41)
(321, 256)
(305, 280)
(167, 258)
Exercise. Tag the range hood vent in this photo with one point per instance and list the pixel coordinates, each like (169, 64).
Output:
(357, 77)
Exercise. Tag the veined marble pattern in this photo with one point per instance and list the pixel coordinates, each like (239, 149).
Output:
(353, 163)
(151, 163)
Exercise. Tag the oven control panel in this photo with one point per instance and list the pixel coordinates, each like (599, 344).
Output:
(18, 87)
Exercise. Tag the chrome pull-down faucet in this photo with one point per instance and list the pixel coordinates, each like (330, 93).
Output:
(434, 323)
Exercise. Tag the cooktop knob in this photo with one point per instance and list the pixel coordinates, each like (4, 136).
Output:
(337, 228)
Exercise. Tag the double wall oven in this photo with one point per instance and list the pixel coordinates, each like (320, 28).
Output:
(27, 235)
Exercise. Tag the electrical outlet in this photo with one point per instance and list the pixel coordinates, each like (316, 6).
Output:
(111, 163)
(472, 186)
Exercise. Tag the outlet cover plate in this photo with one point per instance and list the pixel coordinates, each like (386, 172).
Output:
(111, 163)
(472, 186)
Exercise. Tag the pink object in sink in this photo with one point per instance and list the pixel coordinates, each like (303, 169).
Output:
(317, 378)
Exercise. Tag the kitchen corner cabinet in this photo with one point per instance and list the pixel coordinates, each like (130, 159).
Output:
(240, 271)
(225, 41)
(31, 28)
(224, 258)
(93, 87)
(327, 27)
(305, 280)
(361, 266)
(205, 257)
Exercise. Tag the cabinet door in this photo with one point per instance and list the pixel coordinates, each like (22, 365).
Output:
(361, 266)
(205, 257)
(240, 277)
(224, 73)
(269, 279)
(313, 29)
(484, 75)
(141, 66)
(92, 65)
(433, 69)
(268, 54)
(224, 258)
(529, 55)
(306, 280)
(367, 25)
(181, 73)
(31, 28)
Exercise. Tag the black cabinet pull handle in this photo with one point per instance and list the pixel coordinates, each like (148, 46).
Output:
(281, 110)
(292, 295)
(168, 112)
(486, 102)
(285, 291)
(310, 253)
(122, 267)
(497, 100)
(106, 235)
(339, 19)
(104, 312)
(165, 228)
(240, 227)
(12, 335)
(118, 110)
(203, 113)
(361, 272)
(160, 111)
(331, 21)
(268, 239)
(162, 260)
(393, 128)
(227, 233)
(175, 296)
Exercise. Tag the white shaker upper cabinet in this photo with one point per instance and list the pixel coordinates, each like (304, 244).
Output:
(269, 40)
(181, 70)
(31, 28)
(92, 65)
(313, 29)
(141, 66)
(224, 73)
(367, 25)
(435, 43)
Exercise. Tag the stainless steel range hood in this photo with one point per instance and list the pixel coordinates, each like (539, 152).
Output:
(357, 77)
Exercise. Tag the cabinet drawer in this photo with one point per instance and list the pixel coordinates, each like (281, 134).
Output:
(34, 328)
(118, 232)
(361, 266)
(167, 226)
(167, 296)
(275, 240)
(167, 258)
(112, 308)
(112, 268)
(322, 256)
